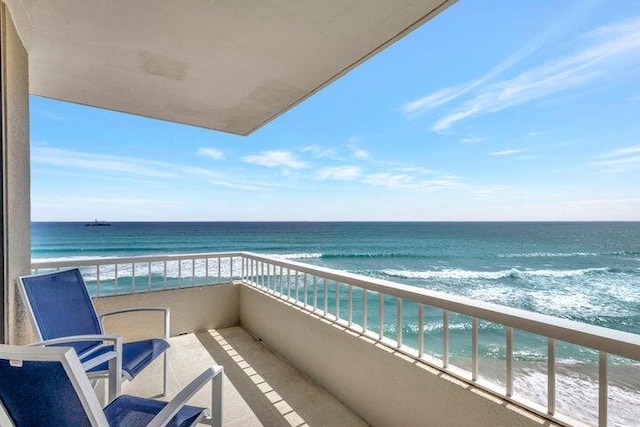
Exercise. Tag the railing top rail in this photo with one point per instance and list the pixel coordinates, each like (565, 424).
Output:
(612, 341)
(81, 262)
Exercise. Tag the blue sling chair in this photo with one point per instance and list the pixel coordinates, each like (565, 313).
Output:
(63, 314)
(48, 387)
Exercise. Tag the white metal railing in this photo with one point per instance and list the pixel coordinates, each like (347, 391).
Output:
(115, 276)
(391, 313)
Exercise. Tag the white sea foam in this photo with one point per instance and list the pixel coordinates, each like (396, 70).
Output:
(577, 394)
(297, 256)
(490, 275)
(549, 255)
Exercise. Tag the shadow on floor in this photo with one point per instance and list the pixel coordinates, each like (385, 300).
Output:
(277, 393)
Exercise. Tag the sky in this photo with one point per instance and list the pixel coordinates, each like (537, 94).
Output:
(495, 110)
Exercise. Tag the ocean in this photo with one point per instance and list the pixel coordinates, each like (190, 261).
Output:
(583, 271)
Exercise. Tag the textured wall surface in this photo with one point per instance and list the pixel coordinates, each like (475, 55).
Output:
(17, 175)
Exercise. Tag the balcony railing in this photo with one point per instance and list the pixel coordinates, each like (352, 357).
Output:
(416, 322)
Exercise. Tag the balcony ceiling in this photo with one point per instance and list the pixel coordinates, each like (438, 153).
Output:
(229, 65)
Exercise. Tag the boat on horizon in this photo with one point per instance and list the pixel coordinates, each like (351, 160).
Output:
(97, 223)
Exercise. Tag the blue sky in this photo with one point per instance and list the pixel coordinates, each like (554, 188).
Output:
(498, 110)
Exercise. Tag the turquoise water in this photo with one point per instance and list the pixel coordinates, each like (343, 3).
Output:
(588, 272)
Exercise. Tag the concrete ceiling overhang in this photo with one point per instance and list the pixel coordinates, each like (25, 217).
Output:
(229, 65)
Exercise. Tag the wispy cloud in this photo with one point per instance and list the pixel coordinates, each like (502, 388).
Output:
(212, 153)
(632, 150)
(619, 160)
(101, 163)
(321, 152)
(406, 181)
(446, 95)
(339, 173)
(276, 158)
(509, 152)
(130, 167)
(607, 49)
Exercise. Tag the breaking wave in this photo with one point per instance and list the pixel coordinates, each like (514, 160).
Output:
(513, 273)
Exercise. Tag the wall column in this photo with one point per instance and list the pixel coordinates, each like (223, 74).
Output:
(16, 192)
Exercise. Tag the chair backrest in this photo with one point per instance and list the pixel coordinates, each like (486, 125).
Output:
(60, 306)
(46, 386)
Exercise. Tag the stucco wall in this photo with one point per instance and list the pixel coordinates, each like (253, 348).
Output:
(17, 175)
(192, 309)
(383, 387)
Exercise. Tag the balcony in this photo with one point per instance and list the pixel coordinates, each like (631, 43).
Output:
(304, 344)
(260, 388)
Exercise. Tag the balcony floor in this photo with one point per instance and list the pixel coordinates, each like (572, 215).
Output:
(260, 388)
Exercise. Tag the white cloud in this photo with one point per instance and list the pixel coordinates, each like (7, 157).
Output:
(509, 152)
(276, 158)
(359, 153)
(101, 163)
(632, 150)
(339, 173)
(608, 49)
(129, 166)
(211, 153)
(405, 181)
(320, 152)
(619, 161)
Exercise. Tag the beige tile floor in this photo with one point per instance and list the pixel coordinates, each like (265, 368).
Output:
(260, 388)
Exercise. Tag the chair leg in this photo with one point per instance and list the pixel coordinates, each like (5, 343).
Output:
(166, 375)
(216, 400)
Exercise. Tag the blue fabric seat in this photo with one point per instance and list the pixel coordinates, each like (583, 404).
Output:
(136, 355)
(130, 410)
(47, 387)
(63, 314)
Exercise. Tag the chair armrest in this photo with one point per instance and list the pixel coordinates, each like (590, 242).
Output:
(166, 310)
(114, 357)
(211, 374)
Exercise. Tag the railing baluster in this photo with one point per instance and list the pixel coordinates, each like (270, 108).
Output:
(474, 349)
(206, 269)
(380, 316)
(220, 270)
(115, 283)
(180, 273)
(133, 277)
(399, 330)
(364, 310)
(297, 295)
(288, 283)
(445, 339)
(350, 306)
(337, 301)
(262, 274)
(420, 330)
(603, 392)
(551, 376)
(326, 296)
(305, 289)
(509, 355)
(98, 280)
(149, 275)
(193, 271)
(230, 269)
(281, 284)
(315, 292)
(164, 274)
